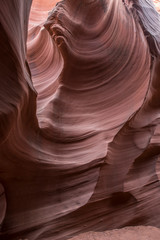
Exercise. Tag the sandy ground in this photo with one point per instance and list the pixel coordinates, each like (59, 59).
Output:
(127, 233)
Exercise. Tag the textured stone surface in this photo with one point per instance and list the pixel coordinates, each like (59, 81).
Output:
(79, 117)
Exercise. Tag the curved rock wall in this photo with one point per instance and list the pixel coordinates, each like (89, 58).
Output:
(79, 117)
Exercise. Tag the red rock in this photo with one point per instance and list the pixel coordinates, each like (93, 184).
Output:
(79, 117)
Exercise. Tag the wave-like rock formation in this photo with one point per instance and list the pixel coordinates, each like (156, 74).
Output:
(79, 117)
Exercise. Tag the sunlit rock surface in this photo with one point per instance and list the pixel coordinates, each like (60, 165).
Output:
(79, 117)
(157, 4)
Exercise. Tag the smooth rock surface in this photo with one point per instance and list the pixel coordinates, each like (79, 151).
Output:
(79, 117)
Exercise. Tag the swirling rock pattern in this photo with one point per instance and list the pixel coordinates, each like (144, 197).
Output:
(79, 117)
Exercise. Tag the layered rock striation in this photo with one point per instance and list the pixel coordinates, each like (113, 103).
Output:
(79, 117)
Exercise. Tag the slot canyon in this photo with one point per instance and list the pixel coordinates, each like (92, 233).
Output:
(80, 120)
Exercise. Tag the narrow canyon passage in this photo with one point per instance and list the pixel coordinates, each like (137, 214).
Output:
(79, 117)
